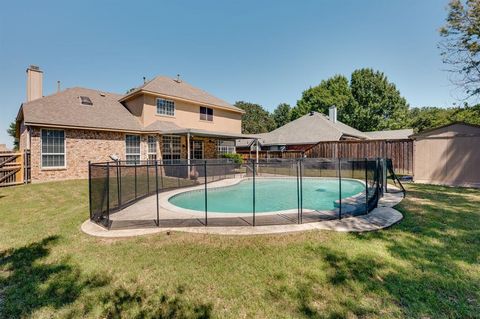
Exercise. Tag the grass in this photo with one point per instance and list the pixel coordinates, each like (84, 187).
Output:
(428, 266)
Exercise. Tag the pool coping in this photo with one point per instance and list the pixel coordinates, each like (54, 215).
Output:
(382, 217)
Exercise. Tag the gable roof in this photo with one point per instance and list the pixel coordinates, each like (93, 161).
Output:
(390, 134)
(309, 129)
(316, 127)
(451, 129)
(64, 109)
(180, 89)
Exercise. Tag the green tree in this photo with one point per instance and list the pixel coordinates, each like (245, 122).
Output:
(256, 119)
(12, 131)
(333, 91)
(460, 47)
(380, 105)
(424, 118)
(282, 114)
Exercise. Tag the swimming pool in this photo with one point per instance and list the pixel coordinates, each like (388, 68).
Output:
(271, 195)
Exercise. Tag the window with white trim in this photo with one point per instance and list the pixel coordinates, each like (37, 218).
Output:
(165, 107)
(53, 148)
(171, 149)
(225, 147)
(132, 148)
(196, 149)
(152, 148)
(206, 113)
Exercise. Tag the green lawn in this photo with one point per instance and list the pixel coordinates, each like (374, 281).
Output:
(428, 266)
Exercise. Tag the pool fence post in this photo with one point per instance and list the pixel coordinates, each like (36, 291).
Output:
(148, 179)
(206, 196)
(119, 193)
(135, 168)
(339, 188)
(108, 195)
(253, 204)
(301, 190)
(366, 185)
(90, 188)
(298, 193)
(156, 191)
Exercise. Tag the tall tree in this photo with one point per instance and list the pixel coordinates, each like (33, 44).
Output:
(282, 114)
(333, 91)
(460, 47)
(12, 131)
(256, 119)
(424, 118)
(380, 105)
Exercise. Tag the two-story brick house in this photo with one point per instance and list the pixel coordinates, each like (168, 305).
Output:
(165, 119)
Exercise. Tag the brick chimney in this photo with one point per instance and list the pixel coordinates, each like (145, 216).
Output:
(332, 113)
(34, 83)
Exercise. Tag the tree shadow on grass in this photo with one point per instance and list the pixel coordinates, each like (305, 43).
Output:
(28, 284)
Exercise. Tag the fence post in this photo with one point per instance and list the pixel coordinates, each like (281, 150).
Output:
(206, 196)
(301, 190)
(135, 179)
(253, 180)
(108, 195)
(119, 201)
(298, 194)
(366, 186)
(90, 188)
(119, 183)
(339, 189)
(148, 179)
(156, 191)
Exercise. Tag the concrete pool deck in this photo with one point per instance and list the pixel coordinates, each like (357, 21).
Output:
(381, 217)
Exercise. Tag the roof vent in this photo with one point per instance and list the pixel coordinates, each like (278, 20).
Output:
(85, 100)
(102, 94)
(178, 79)
(312, 113)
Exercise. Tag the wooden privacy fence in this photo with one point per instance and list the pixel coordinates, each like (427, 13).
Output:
(400, 151)
(14, 168)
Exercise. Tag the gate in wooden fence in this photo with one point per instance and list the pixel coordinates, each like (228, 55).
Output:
(14, 168)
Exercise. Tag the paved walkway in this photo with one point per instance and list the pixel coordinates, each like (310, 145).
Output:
(382, 217)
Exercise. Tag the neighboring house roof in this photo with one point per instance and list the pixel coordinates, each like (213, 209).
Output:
(314, 128)
(180, 89)
(65, 109)
(309, 129)
(390, 134)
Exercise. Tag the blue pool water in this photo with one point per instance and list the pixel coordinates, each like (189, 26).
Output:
(271, 195)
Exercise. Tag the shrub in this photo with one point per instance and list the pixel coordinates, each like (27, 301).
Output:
(236, 158)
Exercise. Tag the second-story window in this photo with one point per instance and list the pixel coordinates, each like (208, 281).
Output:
(165, 107)
(206, 113)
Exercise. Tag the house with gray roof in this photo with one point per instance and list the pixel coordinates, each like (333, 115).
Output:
(163, 119)
(313, 128)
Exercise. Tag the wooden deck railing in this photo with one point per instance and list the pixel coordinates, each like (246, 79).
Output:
(14, 168)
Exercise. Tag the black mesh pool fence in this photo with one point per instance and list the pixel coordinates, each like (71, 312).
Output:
(270, 192)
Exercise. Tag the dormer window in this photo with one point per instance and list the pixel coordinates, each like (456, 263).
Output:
(85, 100)
(206, 114)
(165, 107)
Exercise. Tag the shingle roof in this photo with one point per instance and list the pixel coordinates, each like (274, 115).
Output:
(390, 134)
(309, 129)
(316, 127)
(181, 89)
(64, 108)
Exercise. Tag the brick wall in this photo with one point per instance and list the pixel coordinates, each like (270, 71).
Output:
(81, 146)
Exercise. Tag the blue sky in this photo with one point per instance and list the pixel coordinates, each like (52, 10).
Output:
(265, 52)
